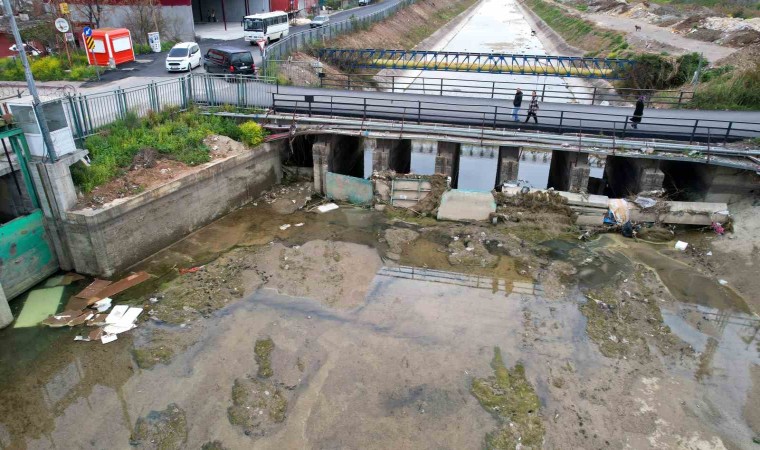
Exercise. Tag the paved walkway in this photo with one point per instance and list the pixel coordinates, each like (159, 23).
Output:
(663, 35)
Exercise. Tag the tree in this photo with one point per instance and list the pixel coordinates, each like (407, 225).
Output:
(146, 16)
(92, 10)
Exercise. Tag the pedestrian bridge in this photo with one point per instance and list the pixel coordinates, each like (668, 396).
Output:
(503, 63)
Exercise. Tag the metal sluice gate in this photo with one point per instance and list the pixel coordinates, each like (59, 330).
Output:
(558, 66)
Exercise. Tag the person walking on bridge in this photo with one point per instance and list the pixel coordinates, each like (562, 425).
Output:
(517, 102)
(532, 108)
(638, 112)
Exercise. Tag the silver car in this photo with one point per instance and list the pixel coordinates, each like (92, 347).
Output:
(319, 21)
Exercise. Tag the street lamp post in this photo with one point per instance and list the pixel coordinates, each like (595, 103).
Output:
(36, 104)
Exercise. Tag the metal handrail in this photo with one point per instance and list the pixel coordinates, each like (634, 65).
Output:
(494, 89)
(500, 115)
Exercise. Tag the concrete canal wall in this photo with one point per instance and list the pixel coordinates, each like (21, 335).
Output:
(107, 241)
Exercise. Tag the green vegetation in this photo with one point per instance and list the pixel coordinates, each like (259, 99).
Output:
(142, 49)
(214, 445)
(662, 72)
(263, 351)
(579, 32)
(49, 68)
(251, 133)
(173, 134)
(729, 90)
(511, 399)
(731, 8)
(251, 398)
(163, 430)
(148, 357)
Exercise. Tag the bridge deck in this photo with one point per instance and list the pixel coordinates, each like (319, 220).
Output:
(696, 125)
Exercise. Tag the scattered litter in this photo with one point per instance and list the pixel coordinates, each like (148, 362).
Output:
(108, 338)
(718, 228)
(117, 314)
(708, 254)
(103, 305)
(97, 321)
(681, 245)
(82, 338)
(722, 282)
(327, 207)
(284, 227)
(93, 288)
(121, 285)
(189, 270)
(645, 202)
(117, 329)
(619, 209)
(299, 224)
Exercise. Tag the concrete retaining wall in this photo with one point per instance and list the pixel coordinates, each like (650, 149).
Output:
(107, 241)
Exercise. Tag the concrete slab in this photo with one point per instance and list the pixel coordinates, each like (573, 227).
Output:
(466, 205)
(685, 213)
(216, 31)
(573, 199)
(351, 189)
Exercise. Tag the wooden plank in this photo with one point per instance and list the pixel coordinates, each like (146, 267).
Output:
(93, 288)
(120, 286)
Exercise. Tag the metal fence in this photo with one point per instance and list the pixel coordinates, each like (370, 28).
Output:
(500, 89)
(317, 36)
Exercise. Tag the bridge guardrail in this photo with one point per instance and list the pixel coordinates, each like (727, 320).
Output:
(499, 89)
(500, 116)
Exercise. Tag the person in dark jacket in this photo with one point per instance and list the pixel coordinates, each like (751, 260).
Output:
(516, 103)
(532, 108)
(638, 113)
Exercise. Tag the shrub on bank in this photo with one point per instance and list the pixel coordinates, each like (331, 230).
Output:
(730, 90)
(49, 68)
(653, 71)
(173, 134)
(251, 133)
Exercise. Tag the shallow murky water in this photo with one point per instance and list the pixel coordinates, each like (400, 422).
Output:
(394, 369)
(496, 26)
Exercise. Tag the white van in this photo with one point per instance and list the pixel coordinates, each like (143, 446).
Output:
(266, 27)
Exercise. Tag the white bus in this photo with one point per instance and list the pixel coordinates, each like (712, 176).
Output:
(266, 27)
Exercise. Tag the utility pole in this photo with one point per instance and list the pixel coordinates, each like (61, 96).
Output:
(36, 104)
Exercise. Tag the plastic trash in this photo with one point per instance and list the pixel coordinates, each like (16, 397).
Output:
(327, 207)
(645, 202)
(722, 282)
(681, 245)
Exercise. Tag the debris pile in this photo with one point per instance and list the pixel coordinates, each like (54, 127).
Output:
(89, 308)
(287, 199)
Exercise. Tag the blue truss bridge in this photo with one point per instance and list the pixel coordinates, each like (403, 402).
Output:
(558, 66)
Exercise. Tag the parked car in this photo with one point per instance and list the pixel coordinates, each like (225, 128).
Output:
(364, 2)
(229, 60)
(319, 21)
(183, 56)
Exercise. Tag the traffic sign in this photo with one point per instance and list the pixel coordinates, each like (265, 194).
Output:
(69, 37)
(61, 25)
(64, 8)
(90, 42)
(87, 31)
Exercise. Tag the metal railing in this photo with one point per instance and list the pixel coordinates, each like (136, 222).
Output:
(316, 36)
(492, 116)
(508, 63)
(500, 89)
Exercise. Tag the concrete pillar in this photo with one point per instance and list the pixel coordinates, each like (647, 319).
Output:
(628, 176)
(569, 171)
(447, 160)
(6, 317)
(509, 164)
(321, 153)
(730, 185)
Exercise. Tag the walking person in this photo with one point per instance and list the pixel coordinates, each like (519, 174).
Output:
(208, 15)
(532, 108)
(517, 102)
(638, 112)
(213, 15)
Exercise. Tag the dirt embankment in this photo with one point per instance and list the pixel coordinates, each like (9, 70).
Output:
(406, 28)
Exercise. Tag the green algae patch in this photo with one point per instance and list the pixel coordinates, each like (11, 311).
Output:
(624, 319)
(213, 445)
(161, 430)
(256, 405)
(511, 399)
(148, 357)
(263, 351)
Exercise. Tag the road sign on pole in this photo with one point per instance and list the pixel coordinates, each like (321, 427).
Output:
(87, 31)
(64, 8)
(61, 25)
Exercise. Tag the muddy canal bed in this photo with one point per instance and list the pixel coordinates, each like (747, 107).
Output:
(355, 329)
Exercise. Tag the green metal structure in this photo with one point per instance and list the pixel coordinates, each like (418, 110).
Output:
(26, 254)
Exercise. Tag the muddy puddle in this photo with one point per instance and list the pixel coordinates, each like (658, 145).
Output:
(336, 332)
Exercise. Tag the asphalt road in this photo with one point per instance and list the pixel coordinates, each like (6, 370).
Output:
(152, 65)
